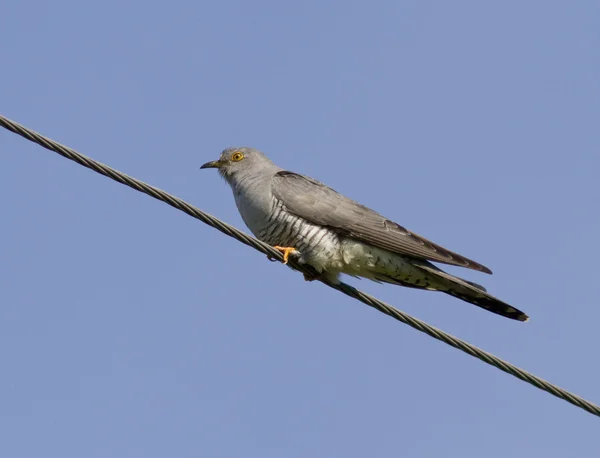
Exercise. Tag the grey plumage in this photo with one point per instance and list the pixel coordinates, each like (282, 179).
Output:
(312, 200)
(335, 234)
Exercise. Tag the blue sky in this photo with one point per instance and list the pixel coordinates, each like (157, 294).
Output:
(129, 329)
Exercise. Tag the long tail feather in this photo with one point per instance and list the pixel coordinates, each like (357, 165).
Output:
(475, 294)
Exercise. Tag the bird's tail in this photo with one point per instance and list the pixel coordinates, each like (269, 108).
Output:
(473, 294)
(470, 292)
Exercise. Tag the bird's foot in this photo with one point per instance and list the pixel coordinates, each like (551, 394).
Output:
(286, 251)
(313, 276)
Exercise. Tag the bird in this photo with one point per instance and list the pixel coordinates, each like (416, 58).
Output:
(333, 234)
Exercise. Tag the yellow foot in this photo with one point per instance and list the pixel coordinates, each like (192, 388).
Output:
(286, 250)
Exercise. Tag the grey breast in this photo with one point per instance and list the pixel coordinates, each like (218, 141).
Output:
(269, 220)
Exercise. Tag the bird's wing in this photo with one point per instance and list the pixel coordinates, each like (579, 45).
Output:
(319, 204)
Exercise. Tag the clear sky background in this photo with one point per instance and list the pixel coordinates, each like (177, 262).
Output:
(128, 329)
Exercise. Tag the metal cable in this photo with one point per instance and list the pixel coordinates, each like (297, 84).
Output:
(273, 253)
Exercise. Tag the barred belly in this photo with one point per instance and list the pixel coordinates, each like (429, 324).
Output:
(317, 245)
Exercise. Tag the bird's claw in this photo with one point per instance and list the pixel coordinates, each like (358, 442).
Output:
(286, 251)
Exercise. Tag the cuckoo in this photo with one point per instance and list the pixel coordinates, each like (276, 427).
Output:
(333, 234)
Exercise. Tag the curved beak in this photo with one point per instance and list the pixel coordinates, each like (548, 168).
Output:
(211, 165)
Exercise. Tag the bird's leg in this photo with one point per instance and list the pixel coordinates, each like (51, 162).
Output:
(286, 251)
(313, 277)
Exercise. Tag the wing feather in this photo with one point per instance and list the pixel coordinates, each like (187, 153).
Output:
(312, 200)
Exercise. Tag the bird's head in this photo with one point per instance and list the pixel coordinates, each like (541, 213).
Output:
(237, 161)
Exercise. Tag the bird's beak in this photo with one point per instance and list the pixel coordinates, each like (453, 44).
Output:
(211, 165)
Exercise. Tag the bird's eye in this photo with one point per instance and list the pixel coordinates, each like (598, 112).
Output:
(237, 156)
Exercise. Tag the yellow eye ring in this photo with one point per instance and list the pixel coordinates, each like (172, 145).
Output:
(237, 156)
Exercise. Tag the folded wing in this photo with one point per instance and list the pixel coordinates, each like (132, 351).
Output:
(319, 204)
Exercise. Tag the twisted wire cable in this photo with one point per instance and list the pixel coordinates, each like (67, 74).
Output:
(272, 253)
